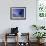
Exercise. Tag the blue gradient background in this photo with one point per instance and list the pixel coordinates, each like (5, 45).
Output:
(18, 12)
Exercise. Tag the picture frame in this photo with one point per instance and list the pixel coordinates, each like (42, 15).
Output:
(18, 13)
(41, 9)
(41, 12)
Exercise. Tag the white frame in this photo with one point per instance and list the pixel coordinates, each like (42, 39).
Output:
(17, 18)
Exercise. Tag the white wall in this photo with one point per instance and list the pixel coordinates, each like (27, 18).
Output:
(24, 25)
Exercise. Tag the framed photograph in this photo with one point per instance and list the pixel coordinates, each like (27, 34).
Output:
(18, 13)
(41, 12)
(41, 9)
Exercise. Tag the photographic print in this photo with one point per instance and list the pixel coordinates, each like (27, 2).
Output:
(18, 13)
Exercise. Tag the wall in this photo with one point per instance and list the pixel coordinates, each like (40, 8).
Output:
(24, 25)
